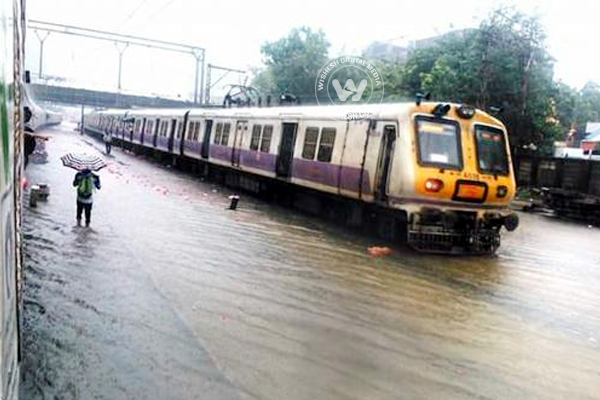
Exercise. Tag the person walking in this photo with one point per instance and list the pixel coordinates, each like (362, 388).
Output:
(29, 145)
(107, 141)
(85, 181)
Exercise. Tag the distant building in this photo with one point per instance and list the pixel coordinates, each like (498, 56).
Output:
(591, 142)
(432, 41)
(592, 127)
(393, 53)
(386, 51)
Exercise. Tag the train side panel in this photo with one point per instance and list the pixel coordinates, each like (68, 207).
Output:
(401, 184)
(258, 147)
(355, 181)
(317, 156)
(221, 148)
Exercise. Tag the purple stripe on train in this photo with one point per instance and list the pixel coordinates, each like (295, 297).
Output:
(162, 142)
(137, 138)
(220, 152)
(258, 160)
(314, 171)
(191, 148)
(330, 175)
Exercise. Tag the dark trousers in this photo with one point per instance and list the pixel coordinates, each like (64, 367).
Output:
(88, 211)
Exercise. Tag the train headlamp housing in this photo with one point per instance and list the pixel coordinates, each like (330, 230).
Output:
(434, 185)
(465, 112)
(501, 192)
(440, 110)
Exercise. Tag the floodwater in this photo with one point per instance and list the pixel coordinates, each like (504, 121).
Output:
(169, 295)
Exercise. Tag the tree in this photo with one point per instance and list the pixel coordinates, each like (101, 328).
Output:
(502, 63)
(293, 63)
(587, 107)
(565, 101)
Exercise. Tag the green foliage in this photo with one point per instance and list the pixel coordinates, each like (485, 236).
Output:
(565, 105)
(292, 63)
(503, 63)
(587, 105)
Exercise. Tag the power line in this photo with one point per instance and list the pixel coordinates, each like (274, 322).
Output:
(151, 17)
(135, 10)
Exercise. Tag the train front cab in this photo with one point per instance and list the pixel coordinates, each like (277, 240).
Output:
(462, 180)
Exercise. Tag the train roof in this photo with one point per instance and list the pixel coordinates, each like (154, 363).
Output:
(374, 111)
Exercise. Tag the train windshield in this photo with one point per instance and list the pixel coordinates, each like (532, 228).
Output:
(491, 150)
(439, 143)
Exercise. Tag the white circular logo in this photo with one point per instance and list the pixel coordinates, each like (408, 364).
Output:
(349, 80)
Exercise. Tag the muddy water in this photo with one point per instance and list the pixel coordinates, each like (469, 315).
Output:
(170, 295)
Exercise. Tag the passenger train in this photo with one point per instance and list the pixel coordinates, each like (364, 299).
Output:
(438, 176)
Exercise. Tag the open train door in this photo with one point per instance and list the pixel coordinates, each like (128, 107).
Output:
(156, 129)
(144, 123)
(240, 128)
(183, 132)
(384, 163)
(172, 135)
(286, 149)
(204, 152)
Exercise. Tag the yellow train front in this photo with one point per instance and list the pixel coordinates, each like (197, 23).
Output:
(454, 179)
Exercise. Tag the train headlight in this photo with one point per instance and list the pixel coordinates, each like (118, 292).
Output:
(434, 185)
(501, 192)
(466, 112)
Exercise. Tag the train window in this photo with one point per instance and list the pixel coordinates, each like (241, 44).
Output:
(491, 150)
(218, 133)
(138, 125)
(255, 140)
(225, 137)
(439, 143)
(265, 144)
(163, 128)
(196, 131)
(179, 130)
(310, 142)
(149, 127)
(190, 131)
(326, 144)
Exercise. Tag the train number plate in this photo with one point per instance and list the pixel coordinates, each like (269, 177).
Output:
(470, 191)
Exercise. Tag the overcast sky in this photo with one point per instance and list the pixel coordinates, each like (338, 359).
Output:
(232, 31)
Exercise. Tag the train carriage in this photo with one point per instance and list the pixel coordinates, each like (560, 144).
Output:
(193, 135)
(443, 170)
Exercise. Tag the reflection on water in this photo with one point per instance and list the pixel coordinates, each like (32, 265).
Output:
(282, 306)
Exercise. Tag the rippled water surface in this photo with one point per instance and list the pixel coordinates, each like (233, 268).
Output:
(171, 296)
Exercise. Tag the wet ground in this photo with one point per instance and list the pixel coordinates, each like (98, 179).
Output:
(170, 296)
